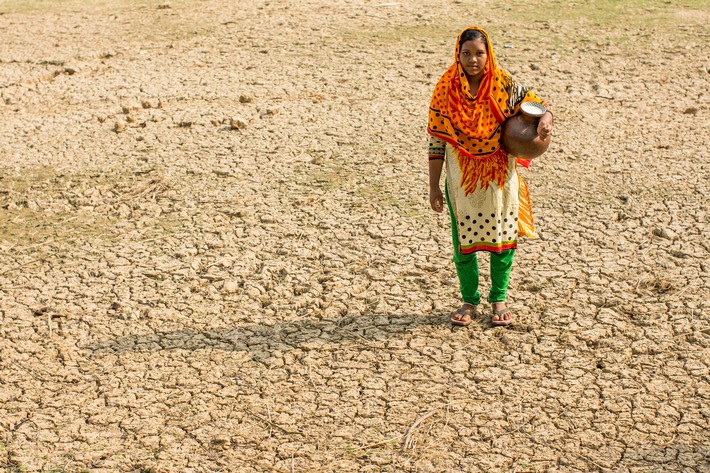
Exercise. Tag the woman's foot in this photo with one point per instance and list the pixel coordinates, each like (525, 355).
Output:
(501, 314)
(464, 314)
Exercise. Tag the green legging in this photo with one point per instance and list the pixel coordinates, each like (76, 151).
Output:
(467, 269)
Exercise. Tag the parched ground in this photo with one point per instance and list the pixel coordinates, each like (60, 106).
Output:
(216, 251)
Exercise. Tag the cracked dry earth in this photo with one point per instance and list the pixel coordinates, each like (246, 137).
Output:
(216, 251)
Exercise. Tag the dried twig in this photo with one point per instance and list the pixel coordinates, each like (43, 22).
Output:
(44, 243)
(273, 424)
(269, 467)
(377, 443)
(30, 372)
(705, 330)
(407, 436)
(268, 413)
(509, 432)
(21, 266)
(146, 188)
(681, 291)
(311, 380)
(668, 442)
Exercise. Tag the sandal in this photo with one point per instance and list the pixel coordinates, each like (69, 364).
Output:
(464, 315)
(499, 313)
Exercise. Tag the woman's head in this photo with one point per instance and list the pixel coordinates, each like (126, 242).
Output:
(473, 53)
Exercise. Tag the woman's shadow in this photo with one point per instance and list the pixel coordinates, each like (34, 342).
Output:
(307, 334)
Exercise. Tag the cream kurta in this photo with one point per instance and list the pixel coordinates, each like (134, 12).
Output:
(486, 219)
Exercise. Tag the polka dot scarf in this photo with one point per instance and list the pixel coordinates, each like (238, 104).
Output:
(471, 123)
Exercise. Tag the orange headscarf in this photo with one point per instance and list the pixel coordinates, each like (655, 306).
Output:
(472, 124)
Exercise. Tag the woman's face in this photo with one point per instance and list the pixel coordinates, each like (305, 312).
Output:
(473, 57)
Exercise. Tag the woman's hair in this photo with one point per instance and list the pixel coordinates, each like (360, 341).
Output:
(469, 35)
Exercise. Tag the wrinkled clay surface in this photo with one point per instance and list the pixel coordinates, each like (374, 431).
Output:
(217, 254)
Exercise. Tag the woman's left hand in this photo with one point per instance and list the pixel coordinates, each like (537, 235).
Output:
(544, 126)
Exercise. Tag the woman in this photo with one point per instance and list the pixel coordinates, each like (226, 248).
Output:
(487, 200)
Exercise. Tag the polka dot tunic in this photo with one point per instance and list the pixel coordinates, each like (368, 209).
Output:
(487, 218)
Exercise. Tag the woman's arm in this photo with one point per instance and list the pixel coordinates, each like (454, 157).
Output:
(437, 153)
(436, 197)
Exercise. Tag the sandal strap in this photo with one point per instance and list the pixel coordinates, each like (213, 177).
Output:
(466, 310)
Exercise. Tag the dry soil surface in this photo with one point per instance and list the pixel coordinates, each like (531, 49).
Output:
(216, 250)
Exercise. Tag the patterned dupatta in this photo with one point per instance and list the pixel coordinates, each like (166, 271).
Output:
(471, 123)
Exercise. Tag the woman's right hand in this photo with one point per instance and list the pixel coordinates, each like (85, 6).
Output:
(436, 199)
(544, 126)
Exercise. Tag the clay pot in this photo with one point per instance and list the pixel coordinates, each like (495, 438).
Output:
(520, 136)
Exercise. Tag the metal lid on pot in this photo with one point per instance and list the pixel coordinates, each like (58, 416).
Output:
(533, 109)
